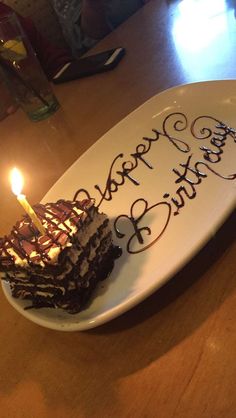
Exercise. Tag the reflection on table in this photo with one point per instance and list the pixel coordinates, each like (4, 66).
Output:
(174, 354)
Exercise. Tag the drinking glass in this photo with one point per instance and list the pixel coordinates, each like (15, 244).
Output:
(7, 102)
(23, 72)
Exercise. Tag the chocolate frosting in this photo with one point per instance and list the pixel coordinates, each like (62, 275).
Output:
(25, 240)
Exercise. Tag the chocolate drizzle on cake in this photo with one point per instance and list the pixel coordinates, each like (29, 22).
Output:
(25, 238)
(61, 268)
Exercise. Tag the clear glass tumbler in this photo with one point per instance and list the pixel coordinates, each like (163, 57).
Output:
(23, 72)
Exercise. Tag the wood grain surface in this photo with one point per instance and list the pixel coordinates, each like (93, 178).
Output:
(173, 356)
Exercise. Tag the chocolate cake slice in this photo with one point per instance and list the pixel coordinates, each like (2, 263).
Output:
(61, 268)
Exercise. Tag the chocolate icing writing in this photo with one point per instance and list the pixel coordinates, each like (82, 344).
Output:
(140, 230)
(196, 179)
(179, 125)
(189, 175)
(113, 183)
(178, 202)
(81, 191)
(218, 134)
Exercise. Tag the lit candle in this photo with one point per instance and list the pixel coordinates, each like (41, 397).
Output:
(17, 186)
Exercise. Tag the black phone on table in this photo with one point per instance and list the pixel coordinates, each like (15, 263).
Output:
(83, 67)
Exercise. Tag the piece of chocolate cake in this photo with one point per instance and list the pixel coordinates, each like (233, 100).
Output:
(61, 268)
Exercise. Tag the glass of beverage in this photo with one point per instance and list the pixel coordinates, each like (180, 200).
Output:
(23, 72)
(7, 102)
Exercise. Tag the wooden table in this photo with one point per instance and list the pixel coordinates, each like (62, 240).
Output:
(174, 354)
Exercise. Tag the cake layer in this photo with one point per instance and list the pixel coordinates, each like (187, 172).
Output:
(73, 298)
(72, 280)
(25, 248)
(61, 268)
(85, 243)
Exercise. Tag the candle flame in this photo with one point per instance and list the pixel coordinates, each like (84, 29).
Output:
(17, 181)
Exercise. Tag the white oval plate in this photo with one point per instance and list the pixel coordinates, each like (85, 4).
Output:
(211, 196)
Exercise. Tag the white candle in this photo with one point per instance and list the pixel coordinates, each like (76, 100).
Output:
(17, 186)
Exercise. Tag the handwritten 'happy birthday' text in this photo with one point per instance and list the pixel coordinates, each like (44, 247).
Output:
(189, 175)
